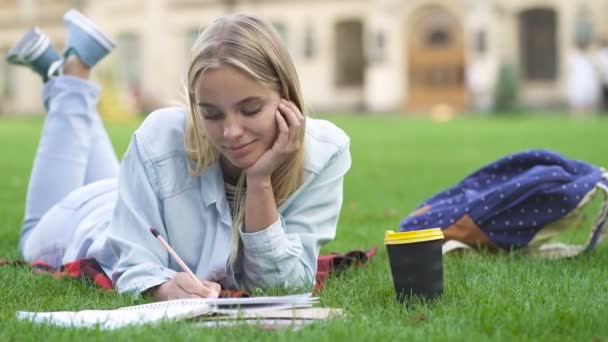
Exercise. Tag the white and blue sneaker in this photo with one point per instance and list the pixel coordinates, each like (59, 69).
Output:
(85, 38)
(35, 51)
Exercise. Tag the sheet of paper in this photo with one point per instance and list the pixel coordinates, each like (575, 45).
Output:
(287, 313)
(273, 320)
(168, 310)
(113, 319)
(266, 323)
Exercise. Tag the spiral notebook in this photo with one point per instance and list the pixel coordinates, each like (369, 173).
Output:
(169, 310)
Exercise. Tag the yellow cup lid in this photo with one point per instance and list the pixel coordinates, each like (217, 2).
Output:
(392, 238)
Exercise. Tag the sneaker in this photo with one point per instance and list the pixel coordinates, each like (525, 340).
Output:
(86, 39)
(35, 51)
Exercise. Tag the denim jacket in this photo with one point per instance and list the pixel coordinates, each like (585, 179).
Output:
(192, 214)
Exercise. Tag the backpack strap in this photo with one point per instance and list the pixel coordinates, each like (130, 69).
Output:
(600, 226)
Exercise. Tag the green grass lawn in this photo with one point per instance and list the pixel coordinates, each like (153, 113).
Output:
(397, 163)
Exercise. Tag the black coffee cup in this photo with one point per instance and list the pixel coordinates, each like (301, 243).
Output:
(416, 263)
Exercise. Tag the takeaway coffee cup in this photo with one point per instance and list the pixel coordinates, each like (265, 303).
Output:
(416, 263)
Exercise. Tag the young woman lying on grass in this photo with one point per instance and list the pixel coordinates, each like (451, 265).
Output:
(243, 186)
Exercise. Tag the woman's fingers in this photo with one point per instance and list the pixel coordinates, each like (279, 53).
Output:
(283, 137)
(294, 120)
(189, 286)
(290, 116)
(207, 292)
(215, 287)
(294, 109)
(184, 286)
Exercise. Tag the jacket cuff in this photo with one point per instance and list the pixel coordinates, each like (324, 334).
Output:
(266, 240)
(135, 288)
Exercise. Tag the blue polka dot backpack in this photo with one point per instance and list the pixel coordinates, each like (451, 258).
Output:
(519, 202)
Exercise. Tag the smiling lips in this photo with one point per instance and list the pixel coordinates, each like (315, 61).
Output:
(238, 149)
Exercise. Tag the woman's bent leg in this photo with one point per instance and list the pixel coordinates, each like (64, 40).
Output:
(64, 233)
(48, 242)
(102, 161)
(61, 159)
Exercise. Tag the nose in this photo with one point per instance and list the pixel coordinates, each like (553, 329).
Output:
(233, 127)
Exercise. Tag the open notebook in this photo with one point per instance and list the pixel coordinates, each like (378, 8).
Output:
(172, 310)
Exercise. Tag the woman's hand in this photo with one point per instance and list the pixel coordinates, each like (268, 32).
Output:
(183, 286)
(290, 122)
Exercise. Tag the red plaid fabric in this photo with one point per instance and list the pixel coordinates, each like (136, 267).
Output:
(337, 263)
(89, 269)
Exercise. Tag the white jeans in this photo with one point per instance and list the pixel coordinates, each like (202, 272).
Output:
(74, 150)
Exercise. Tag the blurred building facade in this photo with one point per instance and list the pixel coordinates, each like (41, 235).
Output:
(351, 55)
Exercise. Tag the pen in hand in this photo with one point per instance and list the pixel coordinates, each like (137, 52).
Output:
(179, 260)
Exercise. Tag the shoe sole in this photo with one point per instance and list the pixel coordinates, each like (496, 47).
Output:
(41, 45)
(87, 25)
(26, 51)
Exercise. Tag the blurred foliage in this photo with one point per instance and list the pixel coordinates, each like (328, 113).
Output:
(113, 102)
(506, 93)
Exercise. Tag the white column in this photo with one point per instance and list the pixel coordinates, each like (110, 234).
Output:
(481, 66)
(384, 76)
(155, 53)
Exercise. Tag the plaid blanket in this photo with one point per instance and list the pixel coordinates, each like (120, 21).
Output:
(88, 269)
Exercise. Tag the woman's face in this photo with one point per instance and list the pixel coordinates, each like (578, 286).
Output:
(238, 116)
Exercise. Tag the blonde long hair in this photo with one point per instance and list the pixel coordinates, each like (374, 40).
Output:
(250, 45)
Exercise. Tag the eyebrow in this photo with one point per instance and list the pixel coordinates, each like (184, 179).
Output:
(241, 102)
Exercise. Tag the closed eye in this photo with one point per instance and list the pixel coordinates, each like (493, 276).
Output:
(251, 111)
(210, 114)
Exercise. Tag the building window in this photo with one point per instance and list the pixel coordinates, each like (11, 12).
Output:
(130, 62)
(7, 79)
(538, 44)
(190, 38)
(349, 63)
(583, 29)
(282, 31)
(438, 38)
(378, 47)
(309, 42)
(481, 42)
